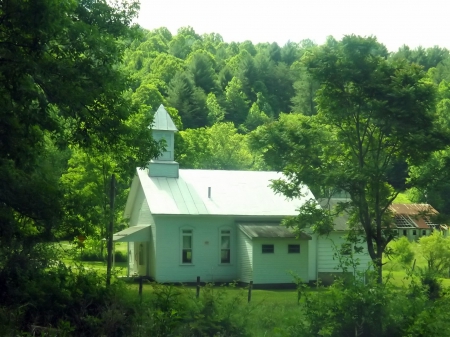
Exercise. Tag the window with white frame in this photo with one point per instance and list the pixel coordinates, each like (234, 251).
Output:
(186, 249)
(225, 246)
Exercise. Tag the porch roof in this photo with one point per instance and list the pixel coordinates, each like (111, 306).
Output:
(133, 234)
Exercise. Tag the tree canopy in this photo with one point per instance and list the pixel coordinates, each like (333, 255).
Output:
(61, 88)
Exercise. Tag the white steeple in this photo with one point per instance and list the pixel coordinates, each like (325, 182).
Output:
(163, 128)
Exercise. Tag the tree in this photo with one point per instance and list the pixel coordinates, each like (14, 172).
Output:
(372, 114)
(431, 178)
(435, 249)
(216, 113)
(219, 147)
(236, 100)
(189, 100)
(60, 85)
(86, 186)
(428, 58)
(255, 118)
(200, 65)
(305, 89)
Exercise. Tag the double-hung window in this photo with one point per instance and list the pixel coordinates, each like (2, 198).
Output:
(225, 246)
(186, 255)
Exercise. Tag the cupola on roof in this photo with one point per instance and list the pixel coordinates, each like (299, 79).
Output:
(162, 120)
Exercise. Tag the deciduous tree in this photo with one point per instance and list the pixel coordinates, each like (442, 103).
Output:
(372, 114)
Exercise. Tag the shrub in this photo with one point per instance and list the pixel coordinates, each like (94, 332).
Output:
(402, 251)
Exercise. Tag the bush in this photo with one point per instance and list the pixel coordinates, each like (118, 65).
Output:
(120, 256)
(359, 309)
(402, 251)
(431, 283)
(90, 255)
(174, 311)
(38, 290)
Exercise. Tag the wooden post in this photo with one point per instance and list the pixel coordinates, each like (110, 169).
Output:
(109, 232)
(250, 286)
(140, 287)
(198, 286)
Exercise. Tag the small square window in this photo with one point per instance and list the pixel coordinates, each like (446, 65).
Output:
(294, 249)
(414, 232)
(267, 249)
(424, 232)
(404, 232)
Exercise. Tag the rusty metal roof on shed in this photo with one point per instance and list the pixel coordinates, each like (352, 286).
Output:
(416, 214)
(270, 230)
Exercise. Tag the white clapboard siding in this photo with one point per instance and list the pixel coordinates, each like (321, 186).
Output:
(312, 257)
(136, 208)
(146, 218)
(245, 251)
(205, 249)
(326, 250)
(279, 266)
(141, 215)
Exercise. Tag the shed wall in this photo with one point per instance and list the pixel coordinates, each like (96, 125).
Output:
(326, 260)
(269, 268)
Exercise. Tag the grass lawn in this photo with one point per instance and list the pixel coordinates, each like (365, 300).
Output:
(397, 274)
(268, 313)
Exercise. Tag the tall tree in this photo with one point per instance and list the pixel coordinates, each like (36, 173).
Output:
(188, 99)
(200, 65)
(236, 100)
(60, 83)
(372, 114)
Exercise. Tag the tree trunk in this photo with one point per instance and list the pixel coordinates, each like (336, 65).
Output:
(379, 267)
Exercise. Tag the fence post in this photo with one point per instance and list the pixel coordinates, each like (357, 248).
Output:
(140, 288)
(198, 286)
(250, 286)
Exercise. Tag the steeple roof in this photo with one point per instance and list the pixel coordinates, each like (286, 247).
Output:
(162, 120)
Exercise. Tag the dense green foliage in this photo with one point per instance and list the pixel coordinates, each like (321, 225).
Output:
(65, 127)
(374, 117)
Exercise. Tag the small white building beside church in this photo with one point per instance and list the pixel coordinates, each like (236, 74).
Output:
(220, 225)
